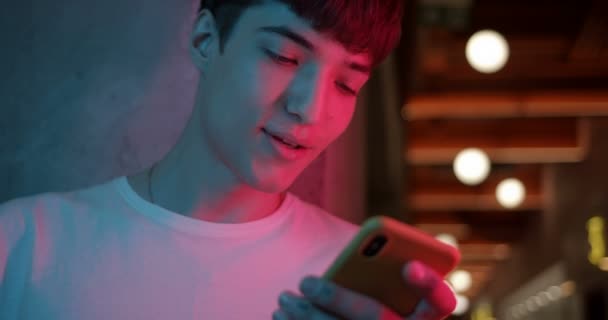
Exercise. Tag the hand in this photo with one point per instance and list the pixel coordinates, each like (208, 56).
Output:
(324, 300)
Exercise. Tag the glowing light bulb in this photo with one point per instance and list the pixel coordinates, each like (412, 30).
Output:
(487, 51)
(461, 280)
(510, 193)
(471, 166)
(447, 239)
(462, 305)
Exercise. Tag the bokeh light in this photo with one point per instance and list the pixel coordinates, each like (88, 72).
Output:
(460, 280)
(510, 193)
(487, 51)
(462, 305)
(447, 239)
(471, 166)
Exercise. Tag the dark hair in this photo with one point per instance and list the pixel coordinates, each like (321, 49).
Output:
(361, 26)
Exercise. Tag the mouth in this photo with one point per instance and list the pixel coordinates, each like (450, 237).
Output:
(285, 148)
(285, 142)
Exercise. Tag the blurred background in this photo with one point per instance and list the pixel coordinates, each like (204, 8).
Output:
(504, 150)
(487, 127)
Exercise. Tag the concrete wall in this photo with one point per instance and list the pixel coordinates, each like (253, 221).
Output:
(90, 89)
(96, 89)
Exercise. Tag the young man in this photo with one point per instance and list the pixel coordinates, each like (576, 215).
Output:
(209, 232)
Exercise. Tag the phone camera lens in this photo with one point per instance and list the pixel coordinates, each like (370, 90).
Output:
(374, 246)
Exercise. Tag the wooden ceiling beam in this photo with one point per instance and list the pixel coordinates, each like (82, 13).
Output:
(468, 234)
(524, 68)
(437, 189)
(473, 252)
(442, 180)
(477, 227)
(531, 140)
(479, 254)
(469, 202)
(493, 218)
(473, 105)
(442, 55)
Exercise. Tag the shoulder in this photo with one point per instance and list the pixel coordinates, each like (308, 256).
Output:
(15, 212)
(321, 222)
(18, 225)
(19, 215)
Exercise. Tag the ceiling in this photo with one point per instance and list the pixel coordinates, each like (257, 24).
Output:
(525, 116)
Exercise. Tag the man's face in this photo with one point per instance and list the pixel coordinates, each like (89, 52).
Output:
(269, 86)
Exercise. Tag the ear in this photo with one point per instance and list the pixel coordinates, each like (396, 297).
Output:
(204, 40)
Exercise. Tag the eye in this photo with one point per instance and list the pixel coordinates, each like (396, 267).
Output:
(280, 59)
(346, 89)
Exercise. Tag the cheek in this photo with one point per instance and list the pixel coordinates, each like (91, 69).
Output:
(239, 98)
(271, 82)
(338, 119)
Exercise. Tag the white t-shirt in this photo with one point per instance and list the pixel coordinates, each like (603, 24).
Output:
(105, 253)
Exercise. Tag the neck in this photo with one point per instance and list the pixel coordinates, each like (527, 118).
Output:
(191, 182)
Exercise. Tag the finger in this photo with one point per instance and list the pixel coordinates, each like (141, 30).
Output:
(298, 308)
(425, 312)
(438, 300)
(343, 302)
(280, 315)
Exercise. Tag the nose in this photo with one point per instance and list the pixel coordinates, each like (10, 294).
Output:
(307, 95)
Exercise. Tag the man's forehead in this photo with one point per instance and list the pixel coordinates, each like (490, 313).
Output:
(273, 12)
(275, 17)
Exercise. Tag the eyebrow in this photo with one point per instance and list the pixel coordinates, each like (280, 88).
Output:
(362, 68)
(302, 41)
(288, 33)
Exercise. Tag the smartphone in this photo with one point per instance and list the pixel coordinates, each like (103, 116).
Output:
(372, 262)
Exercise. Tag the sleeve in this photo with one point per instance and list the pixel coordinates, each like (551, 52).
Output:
(15, 256)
